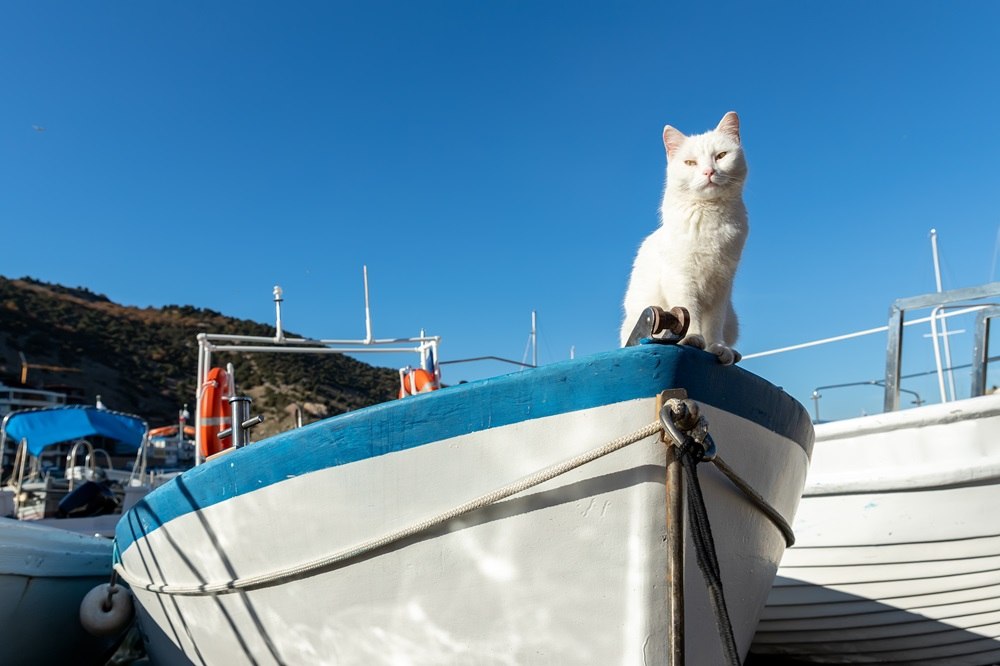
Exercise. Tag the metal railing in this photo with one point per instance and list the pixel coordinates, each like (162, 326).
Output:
(943, 305)
(937, 301)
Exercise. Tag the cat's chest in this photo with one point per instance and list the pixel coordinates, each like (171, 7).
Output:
(699, 229)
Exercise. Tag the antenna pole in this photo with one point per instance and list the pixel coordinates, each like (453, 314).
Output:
(368, 313)
(937, 263)
(534, 338)
(279, 335)
(944, 323)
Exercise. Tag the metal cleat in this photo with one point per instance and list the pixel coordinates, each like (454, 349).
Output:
(241, 416)
(654, 321)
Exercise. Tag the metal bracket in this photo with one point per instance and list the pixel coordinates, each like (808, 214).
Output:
(674, 537)
(654, 321)
(682, 422)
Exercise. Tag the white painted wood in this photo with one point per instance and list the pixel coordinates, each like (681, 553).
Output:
(897, 557)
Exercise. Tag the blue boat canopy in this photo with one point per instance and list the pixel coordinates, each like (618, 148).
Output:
(44, 427)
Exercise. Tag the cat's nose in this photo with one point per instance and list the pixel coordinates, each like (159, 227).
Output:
(709, 172)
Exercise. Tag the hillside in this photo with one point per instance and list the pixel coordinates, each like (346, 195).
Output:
(144, 360)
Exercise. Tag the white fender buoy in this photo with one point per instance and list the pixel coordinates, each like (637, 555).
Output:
(106, 610)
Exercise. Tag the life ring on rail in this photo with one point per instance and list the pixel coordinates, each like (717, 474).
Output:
(214, 413)
(170, 431)
(416, 381)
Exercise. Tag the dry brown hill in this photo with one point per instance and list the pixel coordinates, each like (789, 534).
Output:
(144, 360)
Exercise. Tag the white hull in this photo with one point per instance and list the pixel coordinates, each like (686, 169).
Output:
(897, 557)
(568, 572)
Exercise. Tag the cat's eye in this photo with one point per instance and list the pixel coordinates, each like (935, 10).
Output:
(691, 162)
(721, 155)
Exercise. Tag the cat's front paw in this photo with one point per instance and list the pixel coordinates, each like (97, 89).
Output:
(693, 340)
(727, 355)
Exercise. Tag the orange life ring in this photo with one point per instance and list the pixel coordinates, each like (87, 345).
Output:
(214, 413)
(416, 381)
(171, 431)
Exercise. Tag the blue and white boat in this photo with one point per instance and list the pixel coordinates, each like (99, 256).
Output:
(475, 524)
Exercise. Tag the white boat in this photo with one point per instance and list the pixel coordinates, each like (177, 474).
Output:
(412, 531)
(897, 559)
(45, 573)
(13, 398)
(59, 477)
(171, 447)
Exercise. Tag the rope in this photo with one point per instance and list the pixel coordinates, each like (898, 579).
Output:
(112, 590)
(758, 500)
(204, 386)
(688, 432)
(704, 544)
(329, 561)
(697, 430)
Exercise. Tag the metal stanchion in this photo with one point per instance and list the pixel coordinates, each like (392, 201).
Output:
(674, 542)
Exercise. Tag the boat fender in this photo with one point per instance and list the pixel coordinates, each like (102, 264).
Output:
(107, 610)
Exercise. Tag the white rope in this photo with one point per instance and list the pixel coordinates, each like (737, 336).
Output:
(263, 580)
(204, 387)
(858, 334)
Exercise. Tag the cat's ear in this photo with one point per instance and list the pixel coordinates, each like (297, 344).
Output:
(672, 140)
(730, 126)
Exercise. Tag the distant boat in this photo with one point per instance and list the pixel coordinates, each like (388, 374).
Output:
(897, 559)
(171, 447)
(45, 573)
(410, 532)
(57, 476)
(14, 398)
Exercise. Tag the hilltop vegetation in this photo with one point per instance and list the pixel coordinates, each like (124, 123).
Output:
(144, 360)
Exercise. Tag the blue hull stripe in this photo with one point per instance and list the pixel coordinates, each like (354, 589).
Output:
(606, 378)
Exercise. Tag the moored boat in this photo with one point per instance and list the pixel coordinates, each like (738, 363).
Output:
(14, 398)
(897, 557)
(171, 447)
(60, 477)
(413, 530)
(45, 573)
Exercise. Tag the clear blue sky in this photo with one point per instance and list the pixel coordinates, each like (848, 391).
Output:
(488, 159)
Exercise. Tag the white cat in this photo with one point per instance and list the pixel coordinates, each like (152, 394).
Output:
(691, 259)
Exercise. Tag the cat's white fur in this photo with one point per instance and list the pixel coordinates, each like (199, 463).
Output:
(691, 259)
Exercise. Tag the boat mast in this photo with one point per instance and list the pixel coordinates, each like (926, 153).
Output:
(534, 338)
(368, 312)
(944, 328)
